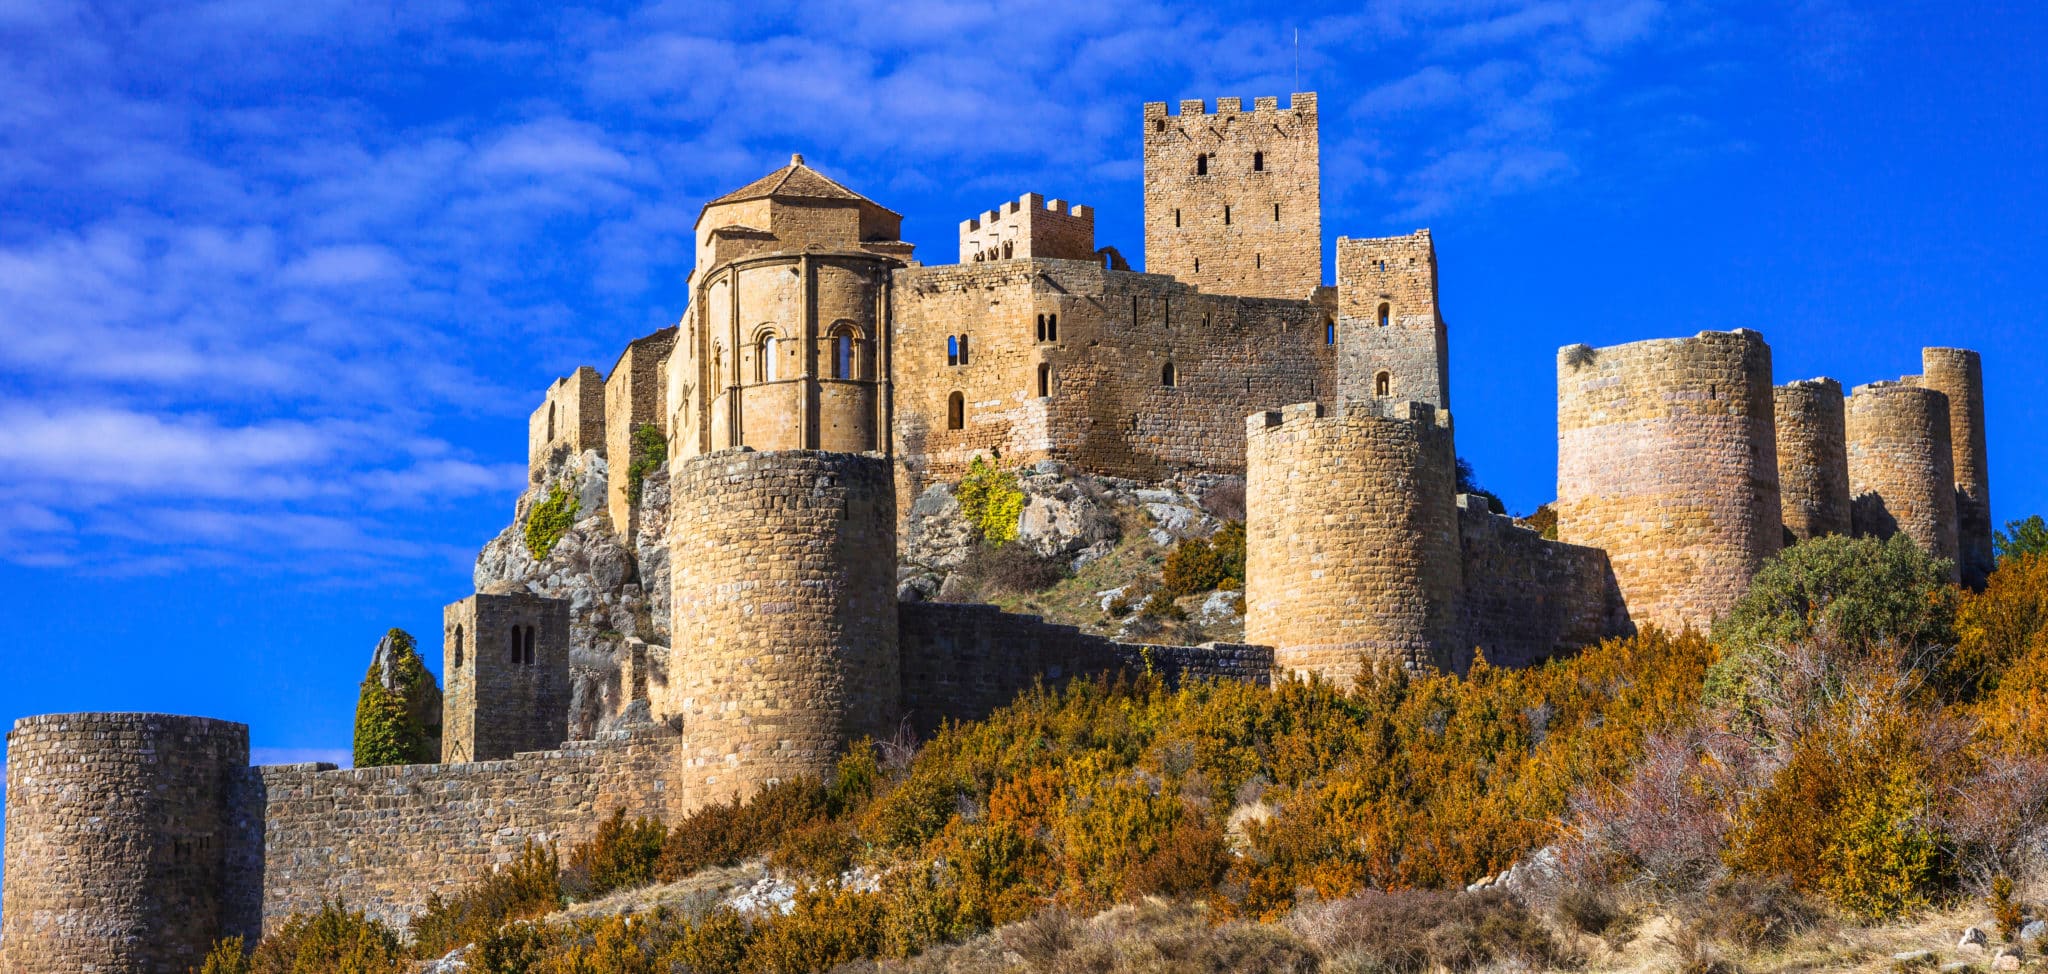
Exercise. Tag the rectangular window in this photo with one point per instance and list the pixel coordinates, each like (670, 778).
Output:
(1226, 214)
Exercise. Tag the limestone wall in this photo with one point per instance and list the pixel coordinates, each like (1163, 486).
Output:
(1813, 459)
(1527, 599)
(1233, 198)
(1901, 468)
(1667, 460)
(1029, 227)
(570, 417)
(784, 568)
(1389, 331)
(1351, 536)
(1108, 407)
(505, 665)
(1958, 374)
(633, 396)
(123, 830)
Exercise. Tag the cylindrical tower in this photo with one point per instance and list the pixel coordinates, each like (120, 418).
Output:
(785, 611)
(1901, 469)
(1667, 458)
(1813, 462)
(1351, 537)
(1958, 374)
(120, 842)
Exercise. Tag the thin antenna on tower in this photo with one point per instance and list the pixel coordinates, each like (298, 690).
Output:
(1297, 59)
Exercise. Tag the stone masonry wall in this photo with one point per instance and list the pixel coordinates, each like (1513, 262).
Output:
(1901, 468)
(570, 417)
(962, 661)
(784, 567)
(1109, 409)
(1351, 536)
(1029, 227)
(505, 663)
(123, 831)
(1389, 330)
(633, 395)
(1233, 199)
(1813, 459)
(1667, 460)
(1958, 374)
(1527, 599)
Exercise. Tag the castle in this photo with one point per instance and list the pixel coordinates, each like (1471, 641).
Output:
(820, 377)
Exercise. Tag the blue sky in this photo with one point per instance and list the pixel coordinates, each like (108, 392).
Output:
(279, 282)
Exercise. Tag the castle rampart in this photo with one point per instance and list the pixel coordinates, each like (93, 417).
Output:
(1813, 460)
(1388, 326)
(1958, 374)
(1667, 460)
(1351, 538)
(1901, 468)
(125, 843)
(1527, 599)
(785, 609)
(1029, 227)
(633, 397)
(570, 418)
(1233, 198)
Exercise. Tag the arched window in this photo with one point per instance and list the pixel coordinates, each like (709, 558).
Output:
(1258, 162)
(765, 348)
(1386, 315)
(1159, 125)
(847, 363)
(1041, 328)
(1052, 327)
(551, 421)
(458, 647)
(952, 350)
(1044, 379)
(1202, 164)
(528, 658)
(1329, 331)
(1166, 376)
(963, 349)
(512, 649)
(1009, 249)
(956, 411)
(1383, 384)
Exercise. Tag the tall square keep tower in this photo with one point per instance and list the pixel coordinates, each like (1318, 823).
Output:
(1233, 200)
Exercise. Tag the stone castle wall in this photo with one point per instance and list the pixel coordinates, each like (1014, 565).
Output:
(784, 611)
(1958, 374)
(569, 418)
(1901, 468)
(1813, 459)
(1029, 227)
(1667, 460)
(633, 396)
(1107, 405)
(125, 843)
(1351, 537)
(1389, 332)
(1527, 599)
(1233, 198)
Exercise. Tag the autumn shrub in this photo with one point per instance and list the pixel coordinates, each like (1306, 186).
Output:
(527, 887)
(724, 834)
(1998, 629)
(623, 854)
(331, 940)
(1199, 565)
(1418, 930)
(1224, 501)
(1012, 567)
(991, 502)
(1751, 914)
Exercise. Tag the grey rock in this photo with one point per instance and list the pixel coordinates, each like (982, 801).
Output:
(2035, 934)
(1064, 522)
(1914, 957)
(1972, 937)
(1219, 607)
(936, 535)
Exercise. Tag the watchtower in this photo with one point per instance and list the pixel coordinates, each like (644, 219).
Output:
(1233, 199)
(1390, 333)
(505, 663)
(570, 417)
(1813, 460)
(1901, 467)
(1958, 374)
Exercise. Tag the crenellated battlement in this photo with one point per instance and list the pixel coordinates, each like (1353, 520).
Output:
(1027, 227)
(1297, 415)
(1300, 101)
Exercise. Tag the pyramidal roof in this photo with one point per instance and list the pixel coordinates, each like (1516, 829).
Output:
(795, 180)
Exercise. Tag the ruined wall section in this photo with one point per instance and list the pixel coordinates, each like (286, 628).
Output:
(1389, 328)
(124, 843)
(784, 568)
(1233, 198)
(1667, 460)
(505, 669)
(1527, 599)
(570, 418)
(1959, 374)
(1029, 227)
(1351, 536)
(634, 395)
(1141, 380)
(1813, 459)
(1901, 465)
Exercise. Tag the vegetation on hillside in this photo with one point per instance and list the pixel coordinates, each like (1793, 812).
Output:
(398, 716)
(650, 451)
(991, 502)
(549, 520)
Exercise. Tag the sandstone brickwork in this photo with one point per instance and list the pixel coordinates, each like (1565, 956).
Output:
(1389, 330)
(570, 418)
(1958, 374)
(1667, 460)
(1029, 227)
(505, 675)
(1527, 599)
(124, 843)
(633, 397)
(1233, 198)
(1813, 459)
(1351, 538)
(785, 611)
(1901, 467)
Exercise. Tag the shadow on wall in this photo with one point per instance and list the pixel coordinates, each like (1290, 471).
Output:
(1871, 518)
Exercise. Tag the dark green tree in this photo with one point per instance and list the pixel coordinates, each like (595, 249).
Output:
(2021, 538)
(398, 708)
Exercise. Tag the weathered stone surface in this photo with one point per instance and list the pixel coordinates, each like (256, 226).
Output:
(1901, 469)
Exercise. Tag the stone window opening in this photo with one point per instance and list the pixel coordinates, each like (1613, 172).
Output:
(1276, 213)
(1167, 377)
(765, 347)
(458, 647)
(1045, 384)
(1386, 315)
(1329, 331)
(1258, 261)
(1383, 384)
(1226, 214)
(963, 350)
(1052, 327)
(848, 360)
(956, 411)
(1202, 164)
(1159, 125)
(1009, 248)
(1176, 216)
(1041, 328)
(551, 421)
(527, 656)
(1198, 265)
(512, 648)
(1258, 162)
(952, 350)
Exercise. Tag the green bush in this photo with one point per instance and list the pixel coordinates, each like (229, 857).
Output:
(334, 940)
(549, 520)
(398, 719)
(2021, 538)
(1199, 565)
(991, 501)
(650, 451)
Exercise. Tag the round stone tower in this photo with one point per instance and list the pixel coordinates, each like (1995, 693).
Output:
(785, 612)
(1813, 463)
(1958, 374)
(1667, 458)
(121, 842)
(1901, 468)
(1351, 533)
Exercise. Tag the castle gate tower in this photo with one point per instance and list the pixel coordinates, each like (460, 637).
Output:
(1233, 200)
(505, 661)
(1390, 335)
(1667, 459)
(1351, 535)
(121, 842)
(1958, 374)
(1813, 462)
(1901, 468)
